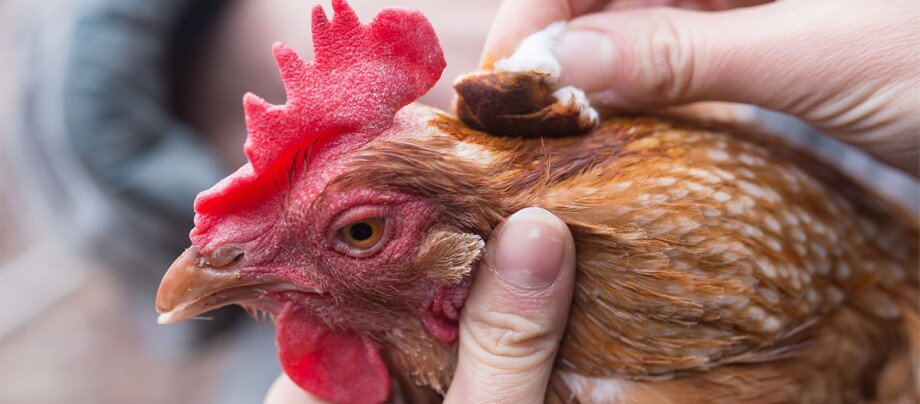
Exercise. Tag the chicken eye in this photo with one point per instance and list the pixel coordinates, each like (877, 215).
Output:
(363, 234)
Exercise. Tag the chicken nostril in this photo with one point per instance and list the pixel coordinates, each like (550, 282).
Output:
(222, 257)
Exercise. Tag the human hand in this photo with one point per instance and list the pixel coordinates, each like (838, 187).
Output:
(847, 67)
(513, 319)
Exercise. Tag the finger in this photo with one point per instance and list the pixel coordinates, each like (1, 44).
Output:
(641, 58)
(516, 312)
(822, 61)
(709, 5)
(284, 391)
(516, 19)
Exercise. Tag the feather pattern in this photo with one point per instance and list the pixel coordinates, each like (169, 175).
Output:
(713, 260)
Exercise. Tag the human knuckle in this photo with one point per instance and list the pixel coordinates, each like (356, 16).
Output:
(667, 58)
(507, 335)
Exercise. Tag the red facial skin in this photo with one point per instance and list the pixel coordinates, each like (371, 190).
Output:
(308, 251)
(268, 237)
(298, 242)
(323, 337)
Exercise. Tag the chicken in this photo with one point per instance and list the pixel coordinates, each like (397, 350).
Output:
(715, 264)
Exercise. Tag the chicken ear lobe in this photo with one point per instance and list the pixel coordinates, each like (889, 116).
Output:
(447, 255)
(331, 365)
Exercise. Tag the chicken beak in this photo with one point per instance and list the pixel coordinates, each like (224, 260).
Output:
(191, 287)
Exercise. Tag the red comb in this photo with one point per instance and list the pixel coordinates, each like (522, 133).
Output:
(360, 77)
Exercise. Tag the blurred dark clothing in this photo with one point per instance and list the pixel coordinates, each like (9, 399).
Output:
(102, 161)
(118, 110)
(104, 148)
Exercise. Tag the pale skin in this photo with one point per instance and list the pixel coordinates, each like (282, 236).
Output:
(847, 67)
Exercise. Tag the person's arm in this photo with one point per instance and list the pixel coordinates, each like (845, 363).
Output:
(848, 68)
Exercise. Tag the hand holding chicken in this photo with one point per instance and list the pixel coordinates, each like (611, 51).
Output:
(709, 265)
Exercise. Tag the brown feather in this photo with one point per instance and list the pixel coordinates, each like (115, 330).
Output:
(715, 264)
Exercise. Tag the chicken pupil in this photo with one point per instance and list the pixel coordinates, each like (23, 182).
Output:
(361, 231)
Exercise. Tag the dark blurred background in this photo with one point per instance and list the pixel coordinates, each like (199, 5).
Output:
(114, 114)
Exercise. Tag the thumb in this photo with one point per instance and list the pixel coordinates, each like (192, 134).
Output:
(654, 57)
(786, 56)
(840, 66)
(516, 311)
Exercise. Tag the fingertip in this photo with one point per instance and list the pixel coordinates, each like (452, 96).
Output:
(525, 282)
(586, 57)
(515, 20)
(516, 313)
(529, 249)
(539, 215)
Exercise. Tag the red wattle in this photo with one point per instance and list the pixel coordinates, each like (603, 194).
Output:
(333, 366)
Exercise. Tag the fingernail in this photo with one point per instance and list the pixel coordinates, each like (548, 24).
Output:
(529, 249)
(585, 56)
